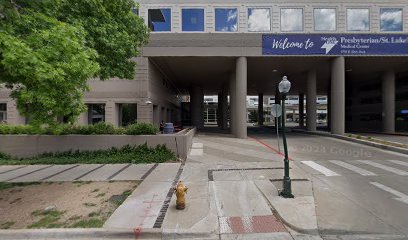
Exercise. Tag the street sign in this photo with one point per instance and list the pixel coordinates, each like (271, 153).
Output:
(276, 110)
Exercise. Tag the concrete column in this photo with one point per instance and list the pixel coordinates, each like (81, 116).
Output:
(197, 106)
(224, 106)
(260, 109)
(301, 110)
(233, 103)
(145, 113)
(13, 115)
(337, 96)
(112, 113)
(388, 102)
(241, 94)
(219, 111)
(82, 119)
(311, 101)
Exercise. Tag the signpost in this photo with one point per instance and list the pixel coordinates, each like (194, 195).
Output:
(276, 111)
(335, 44)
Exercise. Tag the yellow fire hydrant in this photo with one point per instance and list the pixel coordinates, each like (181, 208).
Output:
(181, 195)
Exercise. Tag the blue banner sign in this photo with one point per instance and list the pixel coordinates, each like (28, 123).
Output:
(335, 44)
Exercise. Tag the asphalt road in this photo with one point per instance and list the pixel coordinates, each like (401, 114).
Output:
(358, 189)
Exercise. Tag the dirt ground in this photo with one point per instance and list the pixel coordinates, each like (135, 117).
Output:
(77, 204)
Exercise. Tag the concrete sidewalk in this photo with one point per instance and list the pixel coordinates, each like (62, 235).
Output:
(233, 193)
(230, 196)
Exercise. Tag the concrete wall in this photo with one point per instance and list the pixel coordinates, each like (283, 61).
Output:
(275, 6)
(30, 145)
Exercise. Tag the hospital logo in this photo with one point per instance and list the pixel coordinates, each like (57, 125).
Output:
(329, 44)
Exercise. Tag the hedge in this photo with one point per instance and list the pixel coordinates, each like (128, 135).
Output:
(66, 129)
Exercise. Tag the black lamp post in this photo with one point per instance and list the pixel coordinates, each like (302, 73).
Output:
(284, 87)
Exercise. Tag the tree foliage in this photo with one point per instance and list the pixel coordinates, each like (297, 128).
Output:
(50, 48)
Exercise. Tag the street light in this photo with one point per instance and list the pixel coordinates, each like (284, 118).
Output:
(284, 87)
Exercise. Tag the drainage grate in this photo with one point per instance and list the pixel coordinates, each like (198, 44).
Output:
(166, 203)
(250, 224)
(293, 180)
(211, 176)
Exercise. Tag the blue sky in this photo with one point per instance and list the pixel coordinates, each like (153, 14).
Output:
(192, 19)
(226, 19)
(391, 19)
(163, 26)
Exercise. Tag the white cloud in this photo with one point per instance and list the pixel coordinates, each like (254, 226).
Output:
(325, 19)
(259, 20)
(392, 16)
(232, 15)
(391, 19)
(358, 19)
(291, 19)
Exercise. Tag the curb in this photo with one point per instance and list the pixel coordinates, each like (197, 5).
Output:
(297, 229)
(80, 233)
(361, 141)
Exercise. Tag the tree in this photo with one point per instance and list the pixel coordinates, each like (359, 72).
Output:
(50, 48)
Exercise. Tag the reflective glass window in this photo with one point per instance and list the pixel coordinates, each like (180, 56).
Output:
(192, 20)
(226, 19)
(358, 19)
(391, 19)
(291, 19)
(159, 20)
(325, 19)
(259, 19)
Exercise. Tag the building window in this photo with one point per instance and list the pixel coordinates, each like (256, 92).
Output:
(391, 19)
(291, 19)
(96, 113)
(3, 113)
(259, 19)
(358, 19)
(325, 19)
(192, 20)
(159, 20)
(127, 114)
(226, 19)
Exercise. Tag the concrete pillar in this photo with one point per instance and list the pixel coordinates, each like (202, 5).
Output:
(260, 109)
(241, 94)
(388, 102)
(219, 111)
(337, 96)
(301, 109)
(145, 113)
(112, 113)
(311, 101)
(224, 107)
(197, 106)
(233, 103)
(13, 115)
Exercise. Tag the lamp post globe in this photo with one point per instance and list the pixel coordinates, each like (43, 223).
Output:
(284, 87)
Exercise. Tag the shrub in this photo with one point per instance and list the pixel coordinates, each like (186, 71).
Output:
(66, 129)
(125, 154)
(141, 129)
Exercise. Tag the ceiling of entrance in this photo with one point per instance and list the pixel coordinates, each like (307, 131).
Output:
(264, 73)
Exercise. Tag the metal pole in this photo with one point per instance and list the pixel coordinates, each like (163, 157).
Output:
(277, 132)
(287, 184)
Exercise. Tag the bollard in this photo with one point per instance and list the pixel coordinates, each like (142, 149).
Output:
(180, 190)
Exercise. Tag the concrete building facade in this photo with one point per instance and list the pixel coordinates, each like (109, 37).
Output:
(237, 48)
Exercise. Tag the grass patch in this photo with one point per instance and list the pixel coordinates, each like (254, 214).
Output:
(6, 225)
(47, 220)
(87, 204)
(126, 154)
(101, 194)
(88, 223)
